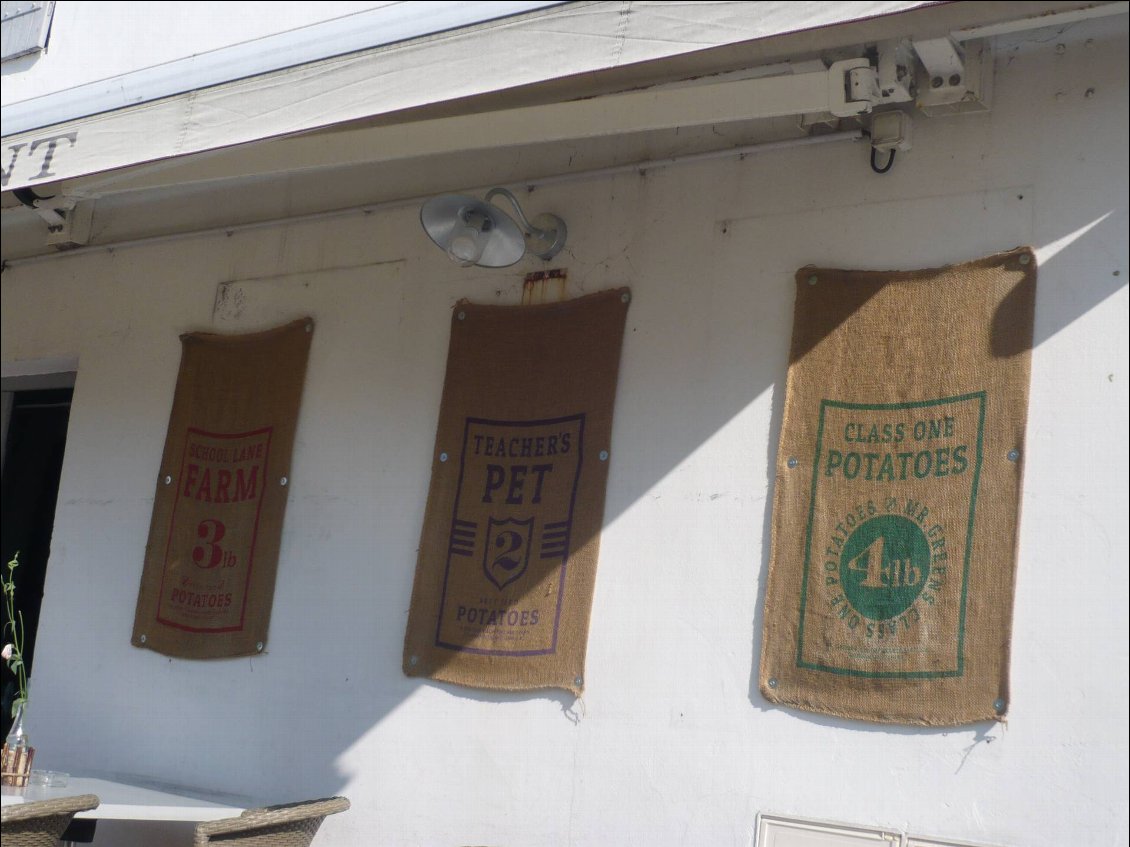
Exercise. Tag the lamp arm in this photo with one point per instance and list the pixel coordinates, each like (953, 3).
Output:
(526, 225)
(547, 243)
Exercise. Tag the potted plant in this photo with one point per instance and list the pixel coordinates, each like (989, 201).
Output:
(17, 753)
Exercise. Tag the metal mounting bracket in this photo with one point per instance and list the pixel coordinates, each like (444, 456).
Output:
(68, 218)
(955, 78)
(896, 71)
(853, 88)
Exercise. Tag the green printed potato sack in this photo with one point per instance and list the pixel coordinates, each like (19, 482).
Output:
(897, 494)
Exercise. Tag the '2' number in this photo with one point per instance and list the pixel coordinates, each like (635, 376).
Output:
(504, 560)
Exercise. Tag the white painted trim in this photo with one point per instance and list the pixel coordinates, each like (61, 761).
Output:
(1070, 16)
(774, 831)
(31, 375)
(38, 367)
(371, 208)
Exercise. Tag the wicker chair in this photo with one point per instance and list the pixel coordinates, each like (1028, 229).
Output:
(290, 825)
(39, 824)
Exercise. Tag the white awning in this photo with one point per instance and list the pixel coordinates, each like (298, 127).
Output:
(554, 42)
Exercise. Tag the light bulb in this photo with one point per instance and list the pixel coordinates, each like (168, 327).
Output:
(468, 239)
(465, 248)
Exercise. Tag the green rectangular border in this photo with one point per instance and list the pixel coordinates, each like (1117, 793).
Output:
(836, 404)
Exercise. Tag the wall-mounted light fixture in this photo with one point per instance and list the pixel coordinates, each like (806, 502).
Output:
(477, 232)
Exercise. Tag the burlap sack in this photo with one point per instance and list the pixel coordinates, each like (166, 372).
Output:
(508, 551)
(209, 576)
(898, 492)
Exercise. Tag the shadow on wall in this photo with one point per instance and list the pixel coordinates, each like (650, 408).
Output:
(1062, 297)
(663, 364)
(695, 343)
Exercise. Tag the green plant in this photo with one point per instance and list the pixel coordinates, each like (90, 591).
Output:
(14, 650)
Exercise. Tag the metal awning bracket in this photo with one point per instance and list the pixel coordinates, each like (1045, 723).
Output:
(853, 88)
(896, 71)
(68, 218)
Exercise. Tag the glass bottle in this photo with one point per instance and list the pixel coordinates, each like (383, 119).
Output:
(17, 752)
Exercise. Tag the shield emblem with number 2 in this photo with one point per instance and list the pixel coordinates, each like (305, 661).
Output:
(508, 550)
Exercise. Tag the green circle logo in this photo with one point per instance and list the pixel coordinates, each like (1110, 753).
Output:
(884, 565)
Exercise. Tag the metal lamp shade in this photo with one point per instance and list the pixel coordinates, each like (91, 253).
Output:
(443, 217)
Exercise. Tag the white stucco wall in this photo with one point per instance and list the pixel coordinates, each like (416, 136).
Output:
(672, 744)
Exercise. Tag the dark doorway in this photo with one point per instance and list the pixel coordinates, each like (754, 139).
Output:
(33, 460)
